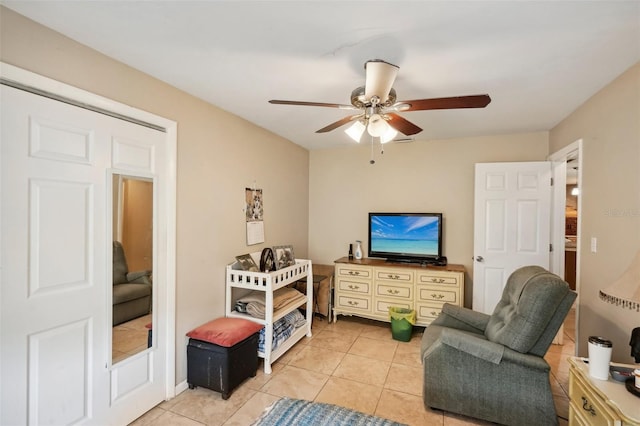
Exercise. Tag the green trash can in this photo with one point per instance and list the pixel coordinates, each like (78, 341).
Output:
(402, 321)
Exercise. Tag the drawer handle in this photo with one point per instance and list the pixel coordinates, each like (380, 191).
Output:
(437, 280)
(393, 291)
(353, 287)
(354, 273)
(393, 277)
(352, 303)
(437, 296)
(435, 314)
(588, 407)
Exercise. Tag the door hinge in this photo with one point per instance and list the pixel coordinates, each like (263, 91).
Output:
(551, 248)
(551, 181)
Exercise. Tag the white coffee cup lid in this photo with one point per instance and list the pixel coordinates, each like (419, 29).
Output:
(600, 341)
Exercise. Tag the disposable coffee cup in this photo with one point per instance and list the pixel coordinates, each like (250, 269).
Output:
(599, 357)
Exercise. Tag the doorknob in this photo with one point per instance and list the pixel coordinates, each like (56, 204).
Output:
(479, 258)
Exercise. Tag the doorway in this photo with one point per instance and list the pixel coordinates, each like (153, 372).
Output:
(566, 222)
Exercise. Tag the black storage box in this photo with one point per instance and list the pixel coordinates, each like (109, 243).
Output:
(220, 368)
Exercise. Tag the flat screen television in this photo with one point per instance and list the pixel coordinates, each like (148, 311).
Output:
(406, 237)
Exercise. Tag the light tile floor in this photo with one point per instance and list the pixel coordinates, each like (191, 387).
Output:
(353, 363)
(129, 338)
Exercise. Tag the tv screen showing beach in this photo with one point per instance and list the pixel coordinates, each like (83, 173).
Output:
(412, 235)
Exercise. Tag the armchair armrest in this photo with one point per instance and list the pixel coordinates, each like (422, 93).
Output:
(476, 346)
(462, 318)
(479, 347)
(139, 277)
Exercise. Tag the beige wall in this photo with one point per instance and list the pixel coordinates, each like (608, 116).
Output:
(609, 125)
(421, 176)
(219, 155)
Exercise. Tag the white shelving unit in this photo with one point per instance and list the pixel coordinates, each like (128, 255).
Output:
(238, 279)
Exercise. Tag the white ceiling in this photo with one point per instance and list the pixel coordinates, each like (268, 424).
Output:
(538, 60)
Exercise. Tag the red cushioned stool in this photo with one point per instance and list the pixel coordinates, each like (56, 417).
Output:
(222, 353)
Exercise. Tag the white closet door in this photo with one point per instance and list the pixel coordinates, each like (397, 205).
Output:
(55, 300)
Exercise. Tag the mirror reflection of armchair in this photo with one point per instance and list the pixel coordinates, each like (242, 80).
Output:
(492, 367)
(131, 290)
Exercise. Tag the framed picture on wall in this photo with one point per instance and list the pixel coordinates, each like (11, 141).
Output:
(284, 256)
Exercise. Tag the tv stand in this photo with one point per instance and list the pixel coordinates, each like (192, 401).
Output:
(368, 287)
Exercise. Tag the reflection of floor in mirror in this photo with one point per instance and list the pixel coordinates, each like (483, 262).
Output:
(130, 338)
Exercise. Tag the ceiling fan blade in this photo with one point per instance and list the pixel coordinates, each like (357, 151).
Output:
(318, 104)
(339, 123)
(472, 101)
(402, 125)
(380, 76)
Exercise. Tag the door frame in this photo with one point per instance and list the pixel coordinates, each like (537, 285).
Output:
(559, 172)
(41, 83)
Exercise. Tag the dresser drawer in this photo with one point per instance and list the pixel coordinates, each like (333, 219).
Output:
(353, 303)
(381, 307)
(433, 277)
(575, 417)
(396, 275)
(587, 405)
(427, 312)
(394, 290)
(354, 271)
(438, 294)
(354, 286)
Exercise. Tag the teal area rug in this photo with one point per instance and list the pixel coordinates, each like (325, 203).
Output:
(297, 412)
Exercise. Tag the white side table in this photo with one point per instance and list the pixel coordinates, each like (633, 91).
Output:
(599, 402)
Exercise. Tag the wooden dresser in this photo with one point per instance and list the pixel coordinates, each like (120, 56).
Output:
(368, 287)
(599, 402)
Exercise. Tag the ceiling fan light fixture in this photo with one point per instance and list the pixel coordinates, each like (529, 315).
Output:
(355, 131)
(377, 125)
(388, 135)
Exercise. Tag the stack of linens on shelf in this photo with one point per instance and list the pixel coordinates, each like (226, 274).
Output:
(254, 304)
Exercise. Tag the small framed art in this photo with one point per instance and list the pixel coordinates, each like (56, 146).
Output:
(284, 256)
(247, 263)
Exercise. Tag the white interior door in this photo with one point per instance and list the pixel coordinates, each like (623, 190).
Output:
(55, 320)
(511, 225)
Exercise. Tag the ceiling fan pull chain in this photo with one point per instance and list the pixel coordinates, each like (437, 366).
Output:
(372, 161)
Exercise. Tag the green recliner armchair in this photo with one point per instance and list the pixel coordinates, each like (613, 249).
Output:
(492, 367)
(131, 290)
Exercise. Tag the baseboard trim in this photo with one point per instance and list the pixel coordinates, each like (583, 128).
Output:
(181, 387)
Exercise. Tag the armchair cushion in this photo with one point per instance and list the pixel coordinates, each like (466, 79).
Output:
(529, 302)
(126, 292)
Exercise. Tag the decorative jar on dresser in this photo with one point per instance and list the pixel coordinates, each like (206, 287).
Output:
(368, 287)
